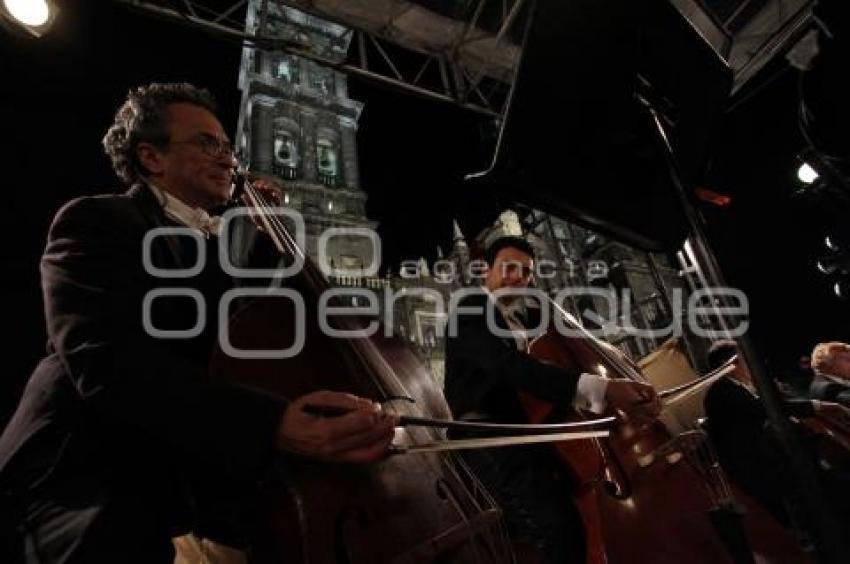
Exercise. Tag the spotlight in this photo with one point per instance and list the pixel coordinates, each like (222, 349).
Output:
(835, 264)
(838, 262)
(831, 244)
(31, 12)
(826, 265)
(34, 17)
(842, 289)
(807, 174)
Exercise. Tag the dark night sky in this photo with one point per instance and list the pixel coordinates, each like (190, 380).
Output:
(58, 95)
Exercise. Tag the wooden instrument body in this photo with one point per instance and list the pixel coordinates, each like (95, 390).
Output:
(417, 508)
(649, 502)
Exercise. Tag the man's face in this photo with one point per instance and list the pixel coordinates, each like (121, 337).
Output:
(512, 268)
(190, 167)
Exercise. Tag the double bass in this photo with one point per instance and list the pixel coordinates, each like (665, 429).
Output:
(405, 509)
(646, 496)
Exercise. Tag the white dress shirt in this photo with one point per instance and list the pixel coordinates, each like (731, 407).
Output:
(195, 218)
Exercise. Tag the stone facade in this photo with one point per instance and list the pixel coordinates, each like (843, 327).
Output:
(583, 258)
(298, 126)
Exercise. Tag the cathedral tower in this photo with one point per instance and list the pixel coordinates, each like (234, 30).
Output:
(297, 124)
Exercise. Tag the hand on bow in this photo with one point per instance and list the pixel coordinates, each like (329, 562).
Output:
(637, 400)
(361, 435)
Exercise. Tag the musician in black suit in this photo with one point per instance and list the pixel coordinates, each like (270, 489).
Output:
(484, 372)
(746, 445)
(120, 440)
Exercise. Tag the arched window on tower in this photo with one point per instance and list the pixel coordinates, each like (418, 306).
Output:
(286, 155)
(286, 70)
(327, 162)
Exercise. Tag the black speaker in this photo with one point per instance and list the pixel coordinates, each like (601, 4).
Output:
(824, 89)
(577, 140)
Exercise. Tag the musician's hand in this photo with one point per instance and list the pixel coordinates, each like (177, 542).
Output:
(270, 192)
(637, 400)
(363, 435)
(834, 411)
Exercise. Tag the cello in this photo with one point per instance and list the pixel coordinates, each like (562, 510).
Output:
(405, 509)
(647, 496)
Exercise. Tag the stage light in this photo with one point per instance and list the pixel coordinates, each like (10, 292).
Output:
(841, 289)
(826, 266)
(807, 174)
(712, 197)
(830, 243)
(28, 12)
(835, 264)
(31, 16)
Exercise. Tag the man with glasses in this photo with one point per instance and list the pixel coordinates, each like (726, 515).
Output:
(120, 441)
(487, 364)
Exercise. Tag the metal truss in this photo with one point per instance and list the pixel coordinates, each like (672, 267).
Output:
(465, 52)
(748, 34)
(397, 43)
(768, 35)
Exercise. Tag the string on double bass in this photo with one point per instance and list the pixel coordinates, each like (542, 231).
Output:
(366, 353)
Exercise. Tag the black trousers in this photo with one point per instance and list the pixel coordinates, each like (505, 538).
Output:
(535, 495)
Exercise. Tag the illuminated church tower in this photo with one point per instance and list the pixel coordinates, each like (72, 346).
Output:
(297, 123)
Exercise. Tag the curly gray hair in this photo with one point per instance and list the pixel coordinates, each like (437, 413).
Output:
(143, 118)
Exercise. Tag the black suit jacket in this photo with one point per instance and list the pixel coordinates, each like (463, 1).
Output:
(112, 409)
(484, 371)
(828, 390)
(747, 448)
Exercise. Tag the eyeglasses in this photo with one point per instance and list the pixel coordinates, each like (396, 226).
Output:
(209, 144)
